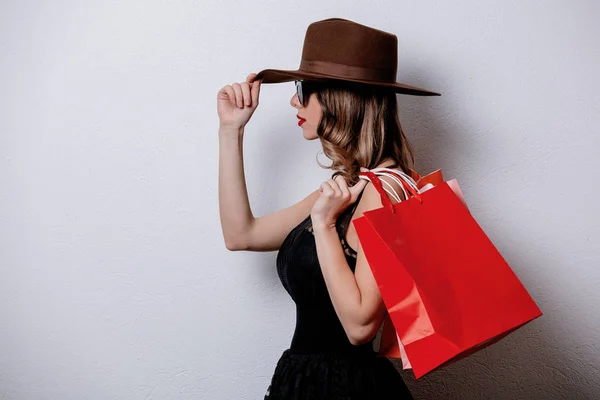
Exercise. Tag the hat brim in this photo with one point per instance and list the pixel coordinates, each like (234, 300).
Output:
(280, 75)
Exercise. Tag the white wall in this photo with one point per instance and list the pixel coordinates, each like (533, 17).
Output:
(115, 282)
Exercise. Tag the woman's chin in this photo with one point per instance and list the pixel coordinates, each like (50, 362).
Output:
(308, 135)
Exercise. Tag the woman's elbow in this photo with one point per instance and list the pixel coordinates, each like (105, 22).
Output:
(234, 244)
(361, 335)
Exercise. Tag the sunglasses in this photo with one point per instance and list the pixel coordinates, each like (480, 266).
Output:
(304, 90)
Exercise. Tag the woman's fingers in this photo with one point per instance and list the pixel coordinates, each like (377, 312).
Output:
(243, 95)
(334, 186)
(237, 88)
(357, 188)
(343, 186)
(230, 93)
(246, 93)
(325, 187)
(254, 87)
(256, 91)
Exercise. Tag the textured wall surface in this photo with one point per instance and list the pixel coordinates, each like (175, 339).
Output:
(115, 282)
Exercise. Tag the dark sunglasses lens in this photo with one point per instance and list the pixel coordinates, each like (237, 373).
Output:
(304, 90)
(300, 91)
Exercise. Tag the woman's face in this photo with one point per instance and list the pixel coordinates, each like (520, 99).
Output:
(311, 115)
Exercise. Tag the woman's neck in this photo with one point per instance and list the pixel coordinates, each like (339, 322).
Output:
(387, 164)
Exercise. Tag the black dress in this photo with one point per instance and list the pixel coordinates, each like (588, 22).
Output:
(321, 363)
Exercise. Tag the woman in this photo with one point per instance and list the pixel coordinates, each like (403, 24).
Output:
(346, 97)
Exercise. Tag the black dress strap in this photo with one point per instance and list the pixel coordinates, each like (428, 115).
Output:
(344, 222)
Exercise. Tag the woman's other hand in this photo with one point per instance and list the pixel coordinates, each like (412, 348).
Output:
(236, 102)
(335, 197)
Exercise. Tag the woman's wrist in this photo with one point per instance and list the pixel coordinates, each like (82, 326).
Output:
(319, 226)
(230, 130)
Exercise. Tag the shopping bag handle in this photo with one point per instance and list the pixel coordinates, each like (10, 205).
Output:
(405, 180)
(384, 198)
(392, 191)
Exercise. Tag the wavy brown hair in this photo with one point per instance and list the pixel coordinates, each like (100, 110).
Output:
(360, 127)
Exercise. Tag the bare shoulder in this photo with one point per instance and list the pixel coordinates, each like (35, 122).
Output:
(371, 199)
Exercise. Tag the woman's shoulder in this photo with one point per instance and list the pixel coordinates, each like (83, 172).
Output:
(371, 199)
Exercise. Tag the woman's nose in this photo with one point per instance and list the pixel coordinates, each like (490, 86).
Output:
(294, 101)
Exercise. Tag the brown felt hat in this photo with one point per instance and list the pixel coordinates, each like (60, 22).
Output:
(344, 50)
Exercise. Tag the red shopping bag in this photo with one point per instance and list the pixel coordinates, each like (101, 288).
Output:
(447, 289)
(390, 345)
